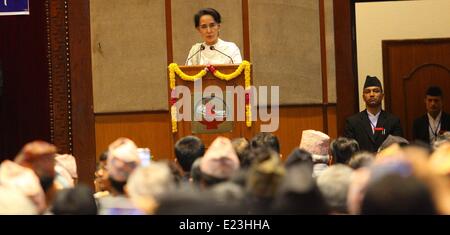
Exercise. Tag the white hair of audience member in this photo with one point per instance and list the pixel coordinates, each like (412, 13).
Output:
(147, 184)
(334, 183)
(14, 202)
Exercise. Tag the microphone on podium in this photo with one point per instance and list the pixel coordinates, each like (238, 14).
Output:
(214, 49)
(200, 49)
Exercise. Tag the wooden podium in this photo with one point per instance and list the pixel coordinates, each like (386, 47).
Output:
(239, 128)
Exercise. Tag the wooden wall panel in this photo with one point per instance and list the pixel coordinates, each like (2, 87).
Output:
(81, 115)
(150, 130)
(332, 121)
(153, 129)
(346, 78)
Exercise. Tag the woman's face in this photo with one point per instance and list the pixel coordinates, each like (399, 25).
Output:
(209, 29)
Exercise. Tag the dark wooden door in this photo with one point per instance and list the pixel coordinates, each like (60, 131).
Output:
(410, 67)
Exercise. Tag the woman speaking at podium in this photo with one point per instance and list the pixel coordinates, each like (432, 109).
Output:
(213, 50)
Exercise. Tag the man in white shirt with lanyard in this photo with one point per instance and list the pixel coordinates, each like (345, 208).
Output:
(435, 122)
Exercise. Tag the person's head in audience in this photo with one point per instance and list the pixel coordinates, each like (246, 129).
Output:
(187, 150)
(265, 139)
(24, 180)
(66, 171)
(299, 156)
(40, 157)
(358, 185)
(147, 185)
(219, 163)
(207, 22)
(317, 143)
(75, 201)
(101, 174)
(392, 139)
(242, 148)
(122, 159)
(299, 194)
(14, 202)
(228, 192)
(263, 180)
(433, 100)
(361, 159)
(396, 194)
(342, 149)
(334, 183)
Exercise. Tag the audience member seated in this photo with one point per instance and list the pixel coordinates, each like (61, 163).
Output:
(342, 149)
(263, 180)
(265, 139)
(299, 194)
(147, 185)
(219, 163)
(122, 159)
(361, 159)
(25, 181)
(398, 195)
(298, 156)
(101, 182)
(66, 171)
(187, 150)
(333, 183)
(75, 201)
(317, 143)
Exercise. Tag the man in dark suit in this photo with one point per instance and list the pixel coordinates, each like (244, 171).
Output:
(373, 125)
(435, 122)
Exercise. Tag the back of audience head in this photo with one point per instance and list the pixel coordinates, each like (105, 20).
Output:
(219, 163)
(147, 185)
(334, 183)
(242, 148)
(40, 157)
(361, 159)
(265, 139)
(396, 194)
(392, 139)
(318, 144)
(299, 194)
(342, 149)
(187, 150)
(298, 156)
(75, 201)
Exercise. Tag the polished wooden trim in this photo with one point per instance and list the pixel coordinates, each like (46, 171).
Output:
(323, 54)
(346, 78)
(59, 74)
(82, 112)
(168, 8)
(246, 29)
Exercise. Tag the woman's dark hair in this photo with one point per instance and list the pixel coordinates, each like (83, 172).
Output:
(207, 11)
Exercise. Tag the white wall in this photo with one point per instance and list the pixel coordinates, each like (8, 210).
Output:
(377, 21)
